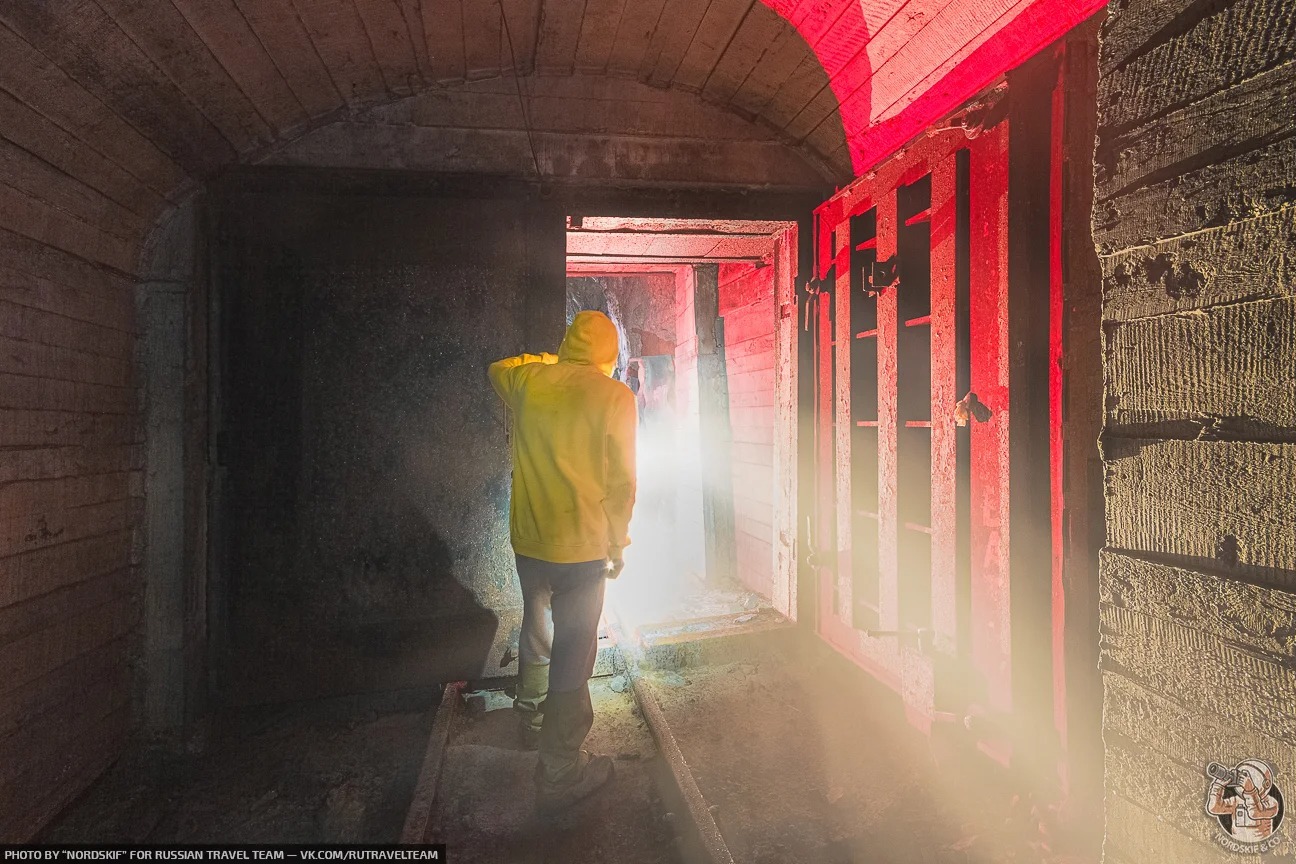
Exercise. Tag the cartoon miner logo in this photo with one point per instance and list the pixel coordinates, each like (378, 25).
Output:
(1247, 804)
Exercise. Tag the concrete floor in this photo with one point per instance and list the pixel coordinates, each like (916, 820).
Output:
(800, 757)
(485, 803)
(333, 770)
(803, 758)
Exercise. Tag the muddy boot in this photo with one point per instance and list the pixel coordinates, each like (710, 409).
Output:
(565, 773)
(532, 687)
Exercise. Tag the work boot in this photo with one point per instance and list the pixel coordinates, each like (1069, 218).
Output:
(564, 772)
(589, 775)
(532, 687)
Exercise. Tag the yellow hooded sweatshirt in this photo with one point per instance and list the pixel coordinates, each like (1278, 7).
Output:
(573, 446)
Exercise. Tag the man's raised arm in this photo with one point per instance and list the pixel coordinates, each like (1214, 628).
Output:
(502, 377)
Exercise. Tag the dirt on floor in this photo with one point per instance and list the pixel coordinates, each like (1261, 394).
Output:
(485, 807)
(803, 760)
(337, 770)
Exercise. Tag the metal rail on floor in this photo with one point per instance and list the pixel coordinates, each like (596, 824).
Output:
(420, 810)
(706, 835)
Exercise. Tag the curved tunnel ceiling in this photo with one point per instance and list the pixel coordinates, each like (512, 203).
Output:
(112, 109)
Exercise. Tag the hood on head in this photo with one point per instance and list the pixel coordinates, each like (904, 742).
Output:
(591, 339)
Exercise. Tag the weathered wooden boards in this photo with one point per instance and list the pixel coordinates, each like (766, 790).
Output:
(1198, 668)
(1195, 222)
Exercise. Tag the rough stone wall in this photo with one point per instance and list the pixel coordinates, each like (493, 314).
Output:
(366, 455)
(1195, 223)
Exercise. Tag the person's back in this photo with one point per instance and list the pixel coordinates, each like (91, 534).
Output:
(573, 447)
(573, 493)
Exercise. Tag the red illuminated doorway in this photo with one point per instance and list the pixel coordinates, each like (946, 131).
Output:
(709, 306)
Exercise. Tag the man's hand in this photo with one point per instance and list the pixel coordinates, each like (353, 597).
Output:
(615, 564)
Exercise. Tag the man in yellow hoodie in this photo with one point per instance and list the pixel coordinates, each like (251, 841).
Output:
(573, 448)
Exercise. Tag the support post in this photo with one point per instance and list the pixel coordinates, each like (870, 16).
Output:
(713, 411)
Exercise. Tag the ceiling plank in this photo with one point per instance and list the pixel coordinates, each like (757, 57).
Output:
(229, 37)
(443, 26)
(816, 111)
(598, 34)
(162, 33)
(796, 91)
(746, 227)
(560, 26)
(716, 32)
(950, 35)
(392, 44)
(636, 31)
(523, 20)
(32, 175)
(281, 31)
(482, 39)
(61, 148)
(335, 28)
(757, 32)
(782, 59)
(41, 221)
(50, 93)
(80, 37)
(412, 12)
(674, 33)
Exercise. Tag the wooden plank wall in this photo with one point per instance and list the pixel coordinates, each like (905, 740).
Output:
(747, 306)
(70, 478)
(1195, 224)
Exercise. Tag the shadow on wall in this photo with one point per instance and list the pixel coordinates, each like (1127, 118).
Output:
(367, 506)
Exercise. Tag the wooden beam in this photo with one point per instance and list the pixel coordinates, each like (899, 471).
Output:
(1245, 260)
(1203, 54)
(1232, 511)
(713, 412)
(1030, 226)
(1230, 368)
